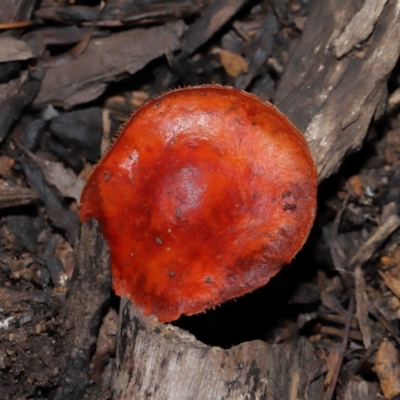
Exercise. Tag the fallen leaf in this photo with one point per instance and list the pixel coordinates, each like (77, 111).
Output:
(391, 282)
(233, 63)
(387, 369)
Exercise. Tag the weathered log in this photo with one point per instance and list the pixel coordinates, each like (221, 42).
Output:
(333, 100)
(82, 315)
(161, 361)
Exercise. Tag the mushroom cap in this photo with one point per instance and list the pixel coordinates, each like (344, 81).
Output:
(204, 196)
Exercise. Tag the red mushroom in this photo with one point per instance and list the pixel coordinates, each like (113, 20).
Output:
(204, 196)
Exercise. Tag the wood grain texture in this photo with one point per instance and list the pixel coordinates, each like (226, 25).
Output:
(15, 196)
(360, 390)
(334, 100)
(83, 313)
(160, 361)
(16, 10)
(124, 52)
(15, 95)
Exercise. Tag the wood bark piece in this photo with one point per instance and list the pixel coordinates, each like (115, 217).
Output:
(119, 14)
(12, 49)
(14, 196)
(37, 180)
(109, 58)
(160, 361)
(15, 95)
(362, 306)
(369, 247)
(359, 28)
(16, 10)
(214, 17)
(261, 49)
(334, 100)
(360, 390)
(85, 306)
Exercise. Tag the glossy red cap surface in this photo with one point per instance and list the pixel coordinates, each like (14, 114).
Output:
(205, 195)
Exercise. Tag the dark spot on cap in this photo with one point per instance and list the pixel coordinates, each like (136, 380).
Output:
(289, 206)
(233, 108)
(171, 274)
(159, 241)
(208, 280)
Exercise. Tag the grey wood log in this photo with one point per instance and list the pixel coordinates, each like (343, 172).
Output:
(162, 362)
(333, 99)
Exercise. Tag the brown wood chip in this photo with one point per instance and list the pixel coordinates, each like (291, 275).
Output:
(12, 49)
(362, 306)
(14, 196)
(106, 59)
